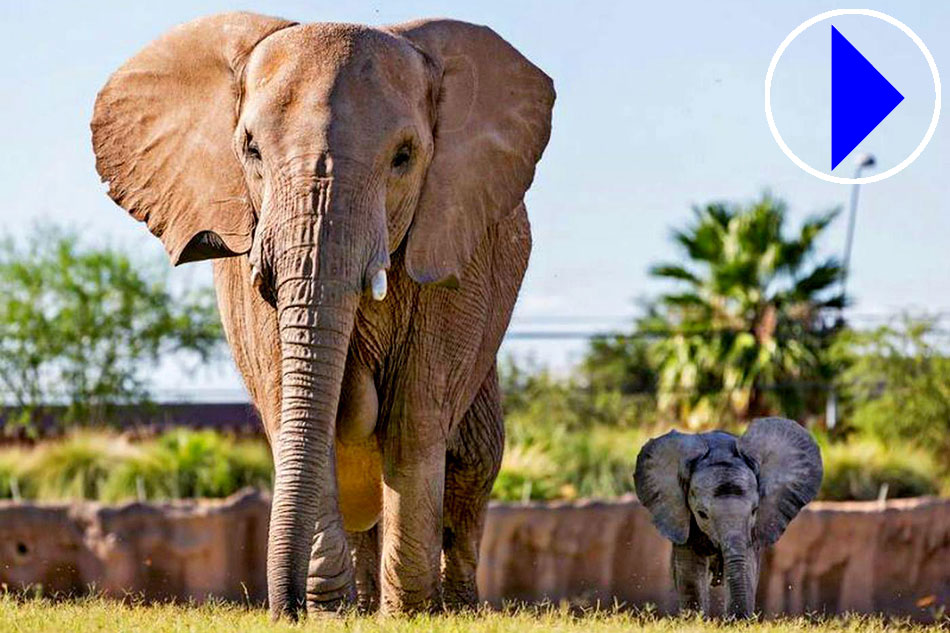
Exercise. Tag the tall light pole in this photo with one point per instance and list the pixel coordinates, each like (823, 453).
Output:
(863, 161)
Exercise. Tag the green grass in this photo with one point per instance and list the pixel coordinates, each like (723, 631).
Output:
(96, 614)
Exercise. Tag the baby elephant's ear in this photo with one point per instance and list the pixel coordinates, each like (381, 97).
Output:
(789, 470)
(663, 469)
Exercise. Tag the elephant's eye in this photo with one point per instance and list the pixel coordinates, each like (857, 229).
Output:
(251, 148)
(702, 515)
(402, 157)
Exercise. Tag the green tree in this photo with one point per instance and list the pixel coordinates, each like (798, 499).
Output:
(897, 386)
(79, 326)
(743, 333)
(542, 400)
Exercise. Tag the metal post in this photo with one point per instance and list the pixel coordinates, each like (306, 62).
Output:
(865, 160)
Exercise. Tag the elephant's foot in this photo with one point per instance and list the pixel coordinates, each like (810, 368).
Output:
(330, 596)
(410, 582)
(365, 548)
(328, 609)
(398, 602)
(459, 592)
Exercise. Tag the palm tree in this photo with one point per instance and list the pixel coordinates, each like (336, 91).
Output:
(746, 331)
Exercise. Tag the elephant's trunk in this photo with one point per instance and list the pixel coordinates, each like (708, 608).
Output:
(740, 570)
(316, 277)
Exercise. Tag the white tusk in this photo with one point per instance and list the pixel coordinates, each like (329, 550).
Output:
(378, 285)
(256, 279)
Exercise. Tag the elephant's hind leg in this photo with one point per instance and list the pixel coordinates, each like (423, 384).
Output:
(365, 548)
(472, 463)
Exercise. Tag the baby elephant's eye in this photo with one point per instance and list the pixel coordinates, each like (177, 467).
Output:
(402, 157)
(702, 515)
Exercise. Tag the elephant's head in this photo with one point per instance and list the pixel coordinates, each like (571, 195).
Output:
(737, 493)
(317, 150)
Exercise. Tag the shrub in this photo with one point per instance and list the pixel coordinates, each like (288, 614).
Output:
(857, 470)
(76, 467)
(542, 462)
(185, 464)
(547, 459)
(178, 464)
(898, 387)
(528, 473)
(534, 396)
(11, 475)
(553, 462)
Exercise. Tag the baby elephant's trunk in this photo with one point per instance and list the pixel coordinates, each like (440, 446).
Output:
(740, 571)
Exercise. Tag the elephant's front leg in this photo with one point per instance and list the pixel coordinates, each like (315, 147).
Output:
(413, 487)
(691, 577)
(472, 463)
(330, 585)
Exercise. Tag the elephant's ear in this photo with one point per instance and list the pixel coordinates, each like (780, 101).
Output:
(789, 471)
(162, 132)
(493, 121)
(662, 476)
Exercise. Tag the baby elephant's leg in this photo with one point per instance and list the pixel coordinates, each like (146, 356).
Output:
(691, 577)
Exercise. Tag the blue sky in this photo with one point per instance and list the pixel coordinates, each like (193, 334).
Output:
(660, 106)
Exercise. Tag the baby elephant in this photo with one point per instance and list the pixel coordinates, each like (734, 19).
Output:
(722, 499)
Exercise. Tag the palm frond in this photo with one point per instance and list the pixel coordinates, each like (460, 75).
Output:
(675, 271)
(752, 314)
(818, 280)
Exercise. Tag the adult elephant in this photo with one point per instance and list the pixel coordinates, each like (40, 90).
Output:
(308, 160)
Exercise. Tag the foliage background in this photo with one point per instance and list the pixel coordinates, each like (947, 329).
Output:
(81, 325)
(749, 322)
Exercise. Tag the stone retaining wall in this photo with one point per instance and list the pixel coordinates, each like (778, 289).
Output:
(836, 557)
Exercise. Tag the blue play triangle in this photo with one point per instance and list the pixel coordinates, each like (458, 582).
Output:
(860, 97)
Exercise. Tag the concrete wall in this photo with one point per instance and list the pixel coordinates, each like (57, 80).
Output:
(836, 557)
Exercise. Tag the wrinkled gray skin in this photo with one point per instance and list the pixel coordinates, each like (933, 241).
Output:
(722, 499)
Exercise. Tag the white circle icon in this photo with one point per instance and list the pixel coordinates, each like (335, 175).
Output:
(768, 96)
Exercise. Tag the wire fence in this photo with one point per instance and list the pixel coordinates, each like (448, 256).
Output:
(535, 328)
